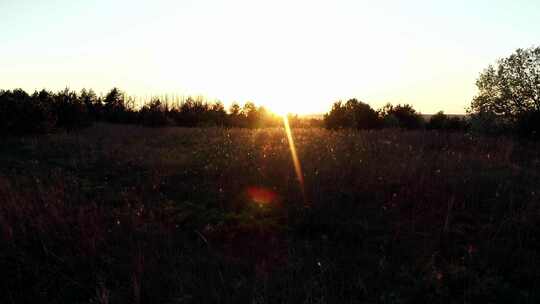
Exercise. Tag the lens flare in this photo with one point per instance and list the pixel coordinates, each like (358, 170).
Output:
(296, 161)
(261, 196)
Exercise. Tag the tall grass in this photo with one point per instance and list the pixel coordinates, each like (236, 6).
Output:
(118, 214)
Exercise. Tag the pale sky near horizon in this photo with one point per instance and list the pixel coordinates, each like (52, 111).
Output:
(296, 56)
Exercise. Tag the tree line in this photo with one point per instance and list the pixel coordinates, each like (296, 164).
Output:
(359, 115)
(507, 103)
(44, 111)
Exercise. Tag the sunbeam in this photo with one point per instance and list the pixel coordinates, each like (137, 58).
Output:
(296, 161)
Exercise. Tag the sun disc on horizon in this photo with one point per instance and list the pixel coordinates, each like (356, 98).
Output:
(284, 107)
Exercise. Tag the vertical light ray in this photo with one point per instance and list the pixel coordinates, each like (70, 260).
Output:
(296, 161)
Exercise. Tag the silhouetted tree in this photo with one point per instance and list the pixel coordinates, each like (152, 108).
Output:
(362, 115)
(236, 116)
(218, 116)
(45, 111)
(24, 114)
(154, 114)
(352, 114)
(337, 118)
(509, 94)
(114, 109)
(93, 104)
(192, 112)
(251, 113)
(70, 111)
(401, 116)
(437, 121)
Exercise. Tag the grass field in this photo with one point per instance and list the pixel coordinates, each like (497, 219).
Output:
(124, 214)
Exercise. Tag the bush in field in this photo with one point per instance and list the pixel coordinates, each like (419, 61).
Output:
(441, 121)
(362, 115)
(401, 116)
(359, 115)
(509, 94)
(352, 114)
(337, 118)
(437, 121)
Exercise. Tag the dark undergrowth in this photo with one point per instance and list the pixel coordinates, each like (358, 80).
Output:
(124, 214)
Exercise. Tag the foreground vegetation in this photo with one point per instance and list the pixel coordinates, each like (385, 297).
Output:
(125, 214)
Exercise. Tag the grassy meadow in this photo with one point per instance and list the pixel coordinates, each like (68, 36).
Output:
(127, 214)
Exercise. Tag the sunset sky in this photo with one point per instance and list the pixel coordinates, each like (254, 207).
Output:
(296, 56)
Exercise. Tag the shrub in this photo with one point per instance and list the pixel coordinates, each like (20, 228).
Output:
(337, 117)
(352, 114)
(441, 121)
(437, 121)
(405, 116)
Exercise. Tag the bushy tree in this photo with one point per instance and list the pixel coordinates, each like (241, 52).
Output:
(361, 115)
(337, 118)
(401, 116)
(509, 94)
(352, 114)
(437, 121)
